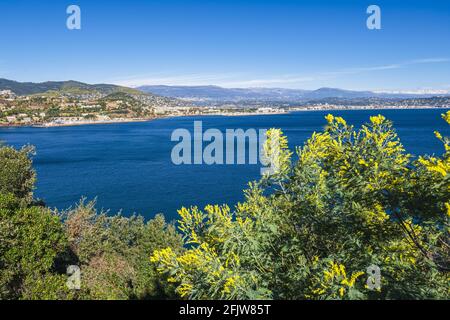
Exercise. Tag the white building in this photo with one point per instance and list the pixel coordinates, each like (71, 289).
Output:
(7, 93)
(11, 119)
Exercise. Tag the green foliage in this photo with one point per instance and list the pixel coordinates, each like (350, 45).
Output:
(28, 88)
(113, 253)
(353, 199)
(32, 240)
(37, 245)
(16, 173)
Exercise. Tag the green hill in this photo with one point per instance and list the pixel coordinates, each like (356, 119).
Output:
(68, 87)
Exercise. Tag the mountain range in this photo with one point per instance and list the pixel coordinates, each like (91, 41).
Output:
(201, 94)
(215, 93)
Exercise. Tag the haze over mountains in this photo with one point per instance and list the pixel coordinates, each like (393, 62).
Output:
(215, 93)
(203, 93)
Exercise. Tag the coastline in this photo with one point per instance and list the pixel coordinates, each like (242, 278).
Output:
(134, 120)
(375, 109)
(76, 124)
(221, 114)
(86, 123)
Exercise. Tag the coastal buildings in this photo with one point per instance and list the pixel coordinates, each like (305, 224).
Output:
(63, 108)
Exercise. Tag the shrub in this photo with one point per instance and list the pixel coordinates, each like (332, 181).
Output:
(310, 230)
(16, 173)
(112, 252)
(31, 242)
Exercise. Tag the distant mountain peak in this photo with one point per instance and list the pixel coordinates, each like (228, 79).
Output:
(205, 94)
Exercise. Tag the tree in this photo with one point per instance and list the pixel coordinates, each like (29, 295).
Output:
(32, 241)
(16, 173)
(310, 230)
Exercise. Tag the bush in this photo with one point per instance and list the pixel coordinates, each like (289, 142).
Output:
(37, 245)
(112, 252)
(354, 199)
(16, 173)
(31, 242)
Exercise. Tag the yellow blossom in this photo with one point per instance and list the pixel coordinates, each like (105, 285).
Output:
(329, 118)
(171, 280)
(363, 162)
(164, 257)
(436, 165)
(341, 121)
(230, 284)
(377, 120)
(446, 116)
(337, 272)
(185, 289)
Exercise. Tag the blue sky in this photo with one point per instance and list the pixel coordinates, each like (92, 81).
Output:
(247, 43)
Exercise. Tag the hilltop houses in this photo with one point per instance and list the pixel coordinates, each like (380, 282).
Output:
(7, 94)
(11, 119)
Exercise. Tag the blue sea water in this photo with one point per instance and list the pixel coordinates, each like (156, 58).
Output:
(128, 166)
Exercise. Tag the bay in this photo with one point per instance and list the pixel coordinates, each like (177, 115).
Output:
(128, 167)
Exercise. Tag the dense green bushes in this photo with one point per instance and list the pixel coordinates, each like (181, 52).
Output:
(16, 174)
(113, 253)
(37, 245)
(31, 240)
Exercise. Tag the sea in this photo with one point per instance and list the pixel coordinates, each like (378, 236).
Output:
(128, 168)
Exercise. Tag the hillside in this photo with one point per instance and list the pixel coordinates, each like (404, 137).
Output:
(67, 87)
(71, 102)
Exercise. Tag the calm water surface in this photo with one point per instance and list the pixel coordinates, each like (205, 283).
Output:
(128, 166)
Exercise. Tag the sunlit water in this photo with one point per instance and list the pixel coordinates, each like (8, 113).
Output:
(128, 166)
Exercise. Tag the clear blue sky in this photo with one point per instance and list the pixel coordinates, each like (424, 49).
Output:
(277, 43)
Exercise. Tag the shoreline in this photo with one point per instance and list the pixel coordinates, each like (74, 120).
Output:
(87, 123)
(75, 124)
(366, 109)
(220, 114)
